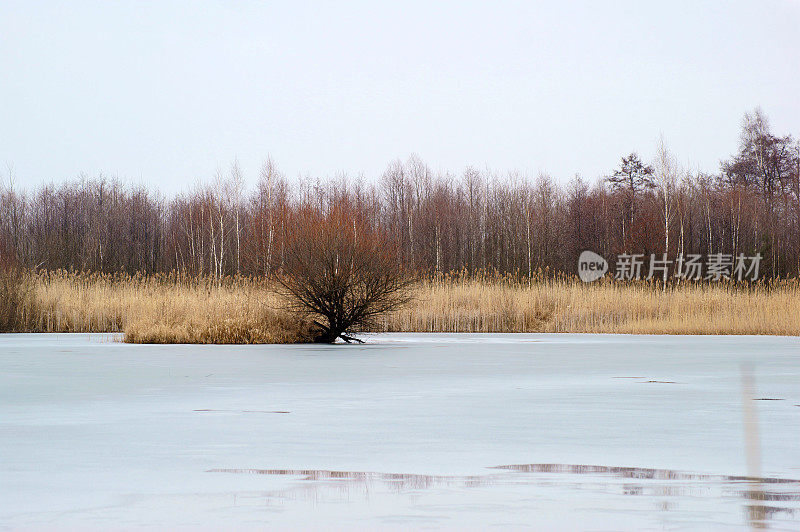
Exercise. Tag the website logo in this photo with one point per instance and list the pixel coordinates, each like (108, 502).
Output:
(591, 266)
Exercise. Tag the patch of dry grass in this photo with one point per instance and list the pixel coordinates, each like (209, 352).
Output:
(565, 305)
(171, 309)
(163, 309)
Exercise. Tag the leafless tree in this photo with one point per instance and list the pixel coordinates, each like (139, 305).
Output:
(341, 272)
(665, 177)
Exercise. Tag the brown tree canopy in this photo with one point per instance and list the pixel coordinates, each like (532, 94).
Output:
(340, 270)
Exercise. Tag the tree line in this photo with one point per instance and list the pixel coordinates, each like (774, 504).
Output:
(470, 222)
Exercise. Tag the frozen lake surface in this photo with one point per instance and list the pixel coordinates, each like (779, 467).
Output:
(554, 432)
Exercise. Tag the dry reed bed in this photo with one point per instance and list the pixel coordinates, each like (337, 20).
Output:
(161, 309)
(607, 307)
(170, 309)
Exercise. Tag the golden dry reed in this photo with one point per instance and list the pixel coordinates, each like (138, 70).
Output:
(161, 309)
(568, 305)
(173, 309)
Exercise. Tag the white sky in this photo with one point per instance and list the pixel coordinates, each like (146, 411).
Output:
(165, 92)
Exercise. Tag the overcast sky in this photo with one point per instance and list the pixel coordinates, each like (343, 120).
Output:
(164, 93)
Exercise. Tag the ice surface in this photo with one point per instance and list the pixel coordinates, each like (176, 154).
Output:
(403, 432)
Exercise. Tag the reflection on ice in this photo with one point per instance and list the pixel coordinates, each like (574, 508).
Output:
(397, 481)
(668, 488)
(637, 472)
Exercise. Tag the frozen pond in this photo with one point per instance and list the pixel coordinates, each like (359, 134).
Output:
(554, 432)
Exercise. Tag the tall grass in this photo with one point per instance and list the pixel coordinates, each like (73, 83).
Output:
(174, 309)
(567, 305)
(162, 308)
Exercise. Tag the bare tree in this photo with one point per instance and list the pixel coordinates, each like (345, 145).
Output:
(233, 192)
(665, 177)
(341, 272)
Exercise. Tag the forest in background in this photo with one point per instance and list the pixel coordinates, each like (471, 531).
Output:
(476, 221)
